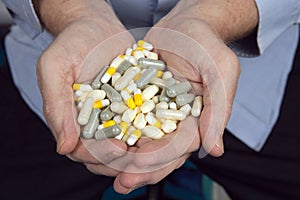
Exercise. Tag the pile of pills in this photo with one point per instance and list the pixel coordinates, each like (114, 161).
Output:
(134, 96)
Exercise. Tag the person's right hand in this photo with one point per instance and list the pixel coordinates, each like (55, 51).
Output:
(77, 54)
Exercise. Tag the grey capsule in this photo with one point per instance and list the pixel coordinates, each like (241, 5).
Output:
(124, 66)
(184, 99)
(163, 96)
(91, 127)
(96, 84)
(146, 77)
(179, 88)
(147, 62)
(107, 114)
(109, 132)
(111, 93)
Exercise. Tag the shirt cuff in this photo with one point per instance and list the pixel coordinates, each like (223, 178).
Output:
(274, 18)
(25, 16)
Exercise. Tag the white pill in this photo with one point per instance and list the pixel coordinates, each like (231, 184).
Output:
(162, 105)
(170, 114)
(126, 78)
(158, 81)
(169, 126)
(97, 95)
(152, 55)
(85, 111)
(128, 51)
(115, 77)
(155, 99)
(149, 92)
(197, 106)
(167, 75)
(186, 109)
(147, 106)
(134, 137)
(129, 115)
(140, 121)
(118, 119)
(150, 118)
(152, 132)
(118, 107)
(173, 105)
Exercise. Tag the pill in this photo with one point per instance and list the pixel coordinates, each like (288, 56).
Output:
(163, 97)
(108, 132)
(167, 75)
(91, 127)
(149, 92)
(183, 99)
(124, 66)
(138, 99)
(178, 88)
(85, 111)
(96, 84)
(159, 74)
(197, 106)
(111, 93)
(169, 126)
(134, 46)
(140, 121)
(147, 63)
(128, 51)
(107, 114)
(147, 106)
(118, 107)
(162, 105)
(124, 127)
(112, 68)
(126, 78)
(130, 129)
(97, 94)
(118, 119)
(82, 87)
(137, 54)
(129, 115)
(107, 124)
(101, 104)
(79, 105)
(170, 114)
(155, 99)
(144, 44)
(150, 118)
(152, 132)
(146, 77)
(186, 109)
(152, 55)
(131, 60)
(115, 77)
(81, 97)
(173, 105)
(133, 138)
(158, 81)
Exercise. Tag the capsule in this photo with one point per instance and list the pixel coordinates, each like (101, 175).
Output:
(150, 118)
(97, 95)
(85, 111)
(107, 114)
(158, 81)
(112, 68)
(137, 54)
(147, 106)
(173, 105)
(134, 137)
(91, 127)
(118, 107)
(178, 88)
(124, 127)
(155, 99)
(138, 98)
(125, 93)
(149, 92)
(171, 114)
(115, 77)
(197, 106)
(118, 119)
(140, 121)
(152, 132)
(124, 66)
(186, 109)
(169, 126)
(101, 104)
(111, 93)
(147, 62)
(145, 45)
(128, 51)
(162, 105)
(107, 124)
(146, 77)
(152, 55)
(129, 115)
(183, 99)
(126, 78)
(96, 84)
(128, 133)
(131, 60)
(108, 132)
(167, 75)
(82, 87)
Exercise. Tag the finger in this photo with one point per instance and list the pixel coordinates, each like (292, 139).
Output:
(170, 147)
(127, 182)
(100, 169)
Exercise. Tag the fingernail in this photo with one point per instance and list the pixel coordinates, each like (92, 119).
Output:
(220, 145)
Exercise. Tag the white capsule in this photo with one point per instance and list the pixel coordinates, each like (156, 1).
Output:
(128, 133)
(150, 118)
(115, 77)
(78, 94)
(140, 121)
(155, 99)
(158, 81)
(152, 132)
(134, 137)
(85, 111)
(149, 92)
(137, 54)
(128, 51)
(134, 46)
(129, 115)
(79, 105)
(162, 105)
(152, 55)
(118, 119)
(186, 109)
(167, 75)
(97, 95)
(169, 126)
(126, 78)
(147, 106)
(171, 114)
(118, 107)
(173, 105)
(197, 106)
(131, 59)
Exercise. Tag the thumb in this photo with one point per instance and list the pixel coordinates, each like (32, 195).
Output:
(55, 80)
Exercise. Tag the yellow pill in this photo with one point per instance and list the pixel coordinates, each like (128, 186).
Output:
(101, 103)
(138, 98)
(109, 123)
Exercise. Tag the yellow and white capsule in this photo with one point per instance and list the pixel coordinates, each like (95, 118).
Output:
(150, 118)
(145, 45)
(82, 87)
(124, 127)
(125, 93)
(130, 129)
(138, 99)
(134, 137)
(112, 68)
(101, 103)
(107, 124)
